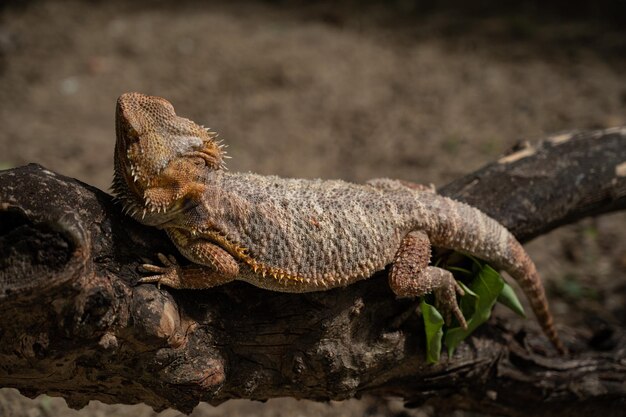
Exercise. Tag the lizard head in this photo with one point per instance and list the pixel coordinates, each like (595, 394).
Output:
(160, 158)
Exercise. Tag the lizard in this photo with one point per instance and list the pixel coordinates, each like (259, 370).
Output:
(296, 235)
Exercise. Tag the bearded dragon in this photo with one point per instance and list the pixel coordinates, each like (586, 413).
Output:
(296, 235)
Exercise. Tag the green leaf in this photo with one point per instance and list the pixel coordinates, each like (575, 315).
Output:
(476, 304)
(509, 299)
(458, 269)
(466, 289)
(476, 262)
(433, 323)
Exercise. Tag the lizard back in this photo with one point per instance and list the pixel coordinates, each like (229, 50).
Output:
(306, 233)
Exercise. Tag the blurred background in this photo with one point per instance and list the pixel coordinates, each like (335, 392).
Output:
(424, 91)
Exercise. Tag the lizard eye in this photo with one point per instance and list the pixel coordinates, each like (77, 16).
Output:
(188, 203)
(199, 162)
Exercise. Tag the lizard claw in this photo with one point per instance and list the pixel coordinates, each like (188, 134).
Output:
(168, 274)
(445, 301)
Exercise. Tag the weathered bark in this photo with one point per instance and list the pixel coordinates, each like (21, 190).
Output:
(73, 324)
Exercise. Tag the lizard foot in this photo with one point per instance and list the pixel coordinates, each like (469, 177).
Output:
(445, 300)
(169, 274)
(412, 277)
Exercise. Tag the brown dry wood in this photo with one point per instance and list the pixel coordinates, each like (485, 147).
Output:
(73, 324)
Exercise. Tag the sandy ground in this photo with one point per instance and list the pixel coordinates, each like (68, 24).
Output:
(321, 91)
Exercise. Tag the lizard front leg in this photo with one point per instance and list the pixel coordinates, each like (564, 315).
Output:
(212, 266)
(411, 276)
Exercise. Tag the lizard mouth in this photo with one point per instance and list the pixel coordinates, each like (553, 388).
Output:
(163, 214)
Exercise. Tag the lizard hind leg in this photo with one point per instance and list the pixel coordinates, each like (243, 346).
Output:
(411, 276)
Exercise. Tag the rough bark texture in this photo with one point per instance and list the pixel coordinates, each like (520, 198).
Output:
(73, 324)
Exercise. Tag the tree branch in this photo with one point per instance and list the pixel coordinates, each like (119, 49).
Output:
(73, 324)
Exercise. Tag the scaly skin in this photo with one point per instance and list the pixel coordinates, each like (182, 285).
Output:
(295, 235)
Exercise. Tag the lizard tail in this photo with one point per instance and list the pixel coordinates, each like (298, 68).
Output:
(521, 267)
(463, 228)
